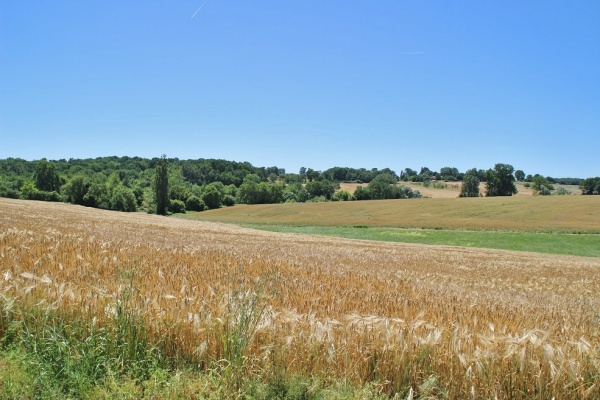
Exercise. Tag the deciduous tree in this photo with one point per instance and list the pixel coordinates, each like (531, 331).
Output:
(538, 182)
(470, 186)
(520, 175)
(45, 177)
(590, 186)
(500, 181)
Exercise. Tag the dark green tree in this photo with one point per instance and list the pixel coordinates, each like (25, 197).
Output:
(76, 189)
(500, 181)
(122, 199)
(407, 174)
(383, 186)
(311, 174)
(322, 187)
(470, 186)
(590, 186)
(96, 196)
(520, 175)
(362, 193)
(46, 177)
(248, 192)
(161, 185)
(449, 173)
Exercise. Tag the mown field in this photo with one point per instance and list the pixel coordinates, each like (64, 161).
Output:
(238, 305)
(452, 189)
(519, 213)
(557, 225)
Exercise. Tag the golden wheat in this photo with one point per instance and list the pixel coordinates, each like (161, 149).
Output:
(435, 320)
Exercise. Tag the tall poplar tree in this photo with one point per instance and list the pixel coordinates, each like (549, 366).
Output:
(161, 185)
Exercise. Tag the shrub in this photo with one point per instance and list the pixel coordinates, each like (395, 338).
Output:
(407, 193)
(43, 195)
(228, 200)
(7, 191)
(193, 203)
(342, 195)
(544, 191)
(561, 191)
(317, 199)
(211, 197)
(177, 206)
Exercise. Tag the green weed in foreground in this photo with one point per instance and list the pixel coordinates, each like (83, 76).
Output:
(24, 375)
(552, 243)
(49, 354)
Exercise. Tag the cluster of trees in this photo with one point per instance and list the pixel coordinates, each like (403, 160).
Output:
(470, 186)
(450, 174)
(384, 186)
(591, 186)
(339, 174)
(165, 185)
(499, 181)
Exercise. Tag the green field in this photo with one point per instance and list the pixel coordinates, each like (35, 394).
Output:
(551, 243)
(555, 225)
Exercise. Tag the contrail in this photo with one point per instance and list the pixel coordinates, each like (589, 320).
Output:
(412, 52)
(199, 8)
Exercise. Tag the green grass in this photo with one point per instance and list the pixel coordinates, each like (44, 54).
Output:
(551, 243)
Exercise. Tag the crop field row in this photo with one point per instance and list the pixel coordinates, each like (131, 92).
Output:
(423, 320)
(569, 214)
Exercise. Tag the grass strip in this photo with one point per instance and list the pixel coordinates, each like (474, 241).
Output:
(587, 245)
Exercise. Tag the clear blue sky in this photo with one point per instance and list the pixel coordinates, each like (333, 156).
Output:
(306, 83)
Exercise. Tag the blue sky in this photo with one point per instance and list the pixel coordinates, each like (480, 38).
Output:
(306, 83)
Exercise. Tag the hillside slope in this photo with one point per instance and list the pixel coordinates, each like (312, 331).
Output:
(518, 213)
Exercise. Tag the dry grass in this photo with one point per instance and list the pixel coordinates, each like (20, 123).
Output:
(452, 189)
(434, 321)
(518, 213)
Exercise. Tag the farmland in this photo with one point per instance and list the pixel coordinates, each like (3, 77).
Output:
(248, 305)
(558, 224)
(570, 214)
(536, 242)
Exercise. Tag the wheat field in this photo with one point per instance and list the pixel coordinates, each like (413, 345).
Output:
(428, 321)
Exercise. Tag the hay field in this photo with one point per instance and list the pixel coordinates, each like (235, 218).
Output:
(452, 189)
(418, 320)
(449, 192)
(517, 213)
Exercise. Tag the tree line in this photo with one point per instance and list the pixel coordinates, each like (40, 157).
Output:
(166, 185)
